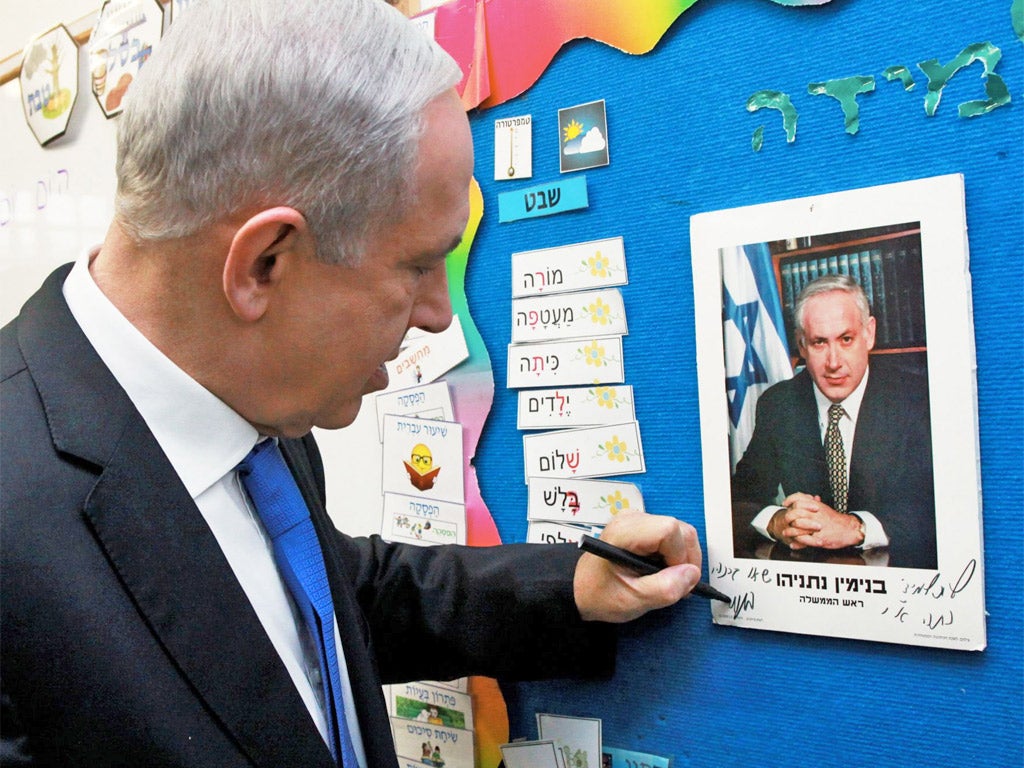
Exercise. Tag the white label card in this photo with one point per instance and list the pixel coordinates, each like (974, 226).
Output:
(568, 407)
(591, 452)
(591, 502)
(576, 267)
(433, 401)
(428, 358)
(543, 532)
(566, 363)
(530, 754)
(568, 316)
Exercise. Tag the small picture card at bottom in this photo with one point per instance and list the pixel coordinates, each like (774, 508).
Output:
(626, 758)
(530, 754)
(423, 521)
(432, 705)
(433, 744)
(577, 738)
(596, 360)
(590, 452)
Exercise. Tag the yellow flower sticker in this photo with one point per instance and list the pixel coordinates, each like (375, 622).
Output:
(615, 449)
(594, 354)
(599, 265)
(605, 397)
(616, 502)
(599, 312)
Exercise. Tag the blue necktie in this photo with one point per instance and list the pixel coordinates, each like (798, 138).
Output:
(300, 561)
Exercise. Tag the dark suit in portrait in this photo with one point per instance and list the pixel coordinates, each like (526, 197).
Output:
(891, 474)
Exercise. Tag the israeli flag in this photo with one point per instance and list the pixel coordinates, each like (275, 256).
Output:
(756, 355)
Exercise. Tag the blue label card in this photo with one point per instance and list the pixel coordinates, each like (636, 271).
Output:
(543, 200)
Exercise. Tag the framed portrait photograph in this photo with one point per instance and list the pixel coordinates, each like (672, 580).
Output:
(835, 357)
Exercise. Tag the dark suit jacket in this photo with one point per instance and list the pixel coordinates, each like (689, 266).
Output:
(127, 639)
(890, 469)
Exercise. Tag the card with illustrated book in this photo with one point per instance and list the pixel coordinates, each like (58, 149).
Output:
(843, 494)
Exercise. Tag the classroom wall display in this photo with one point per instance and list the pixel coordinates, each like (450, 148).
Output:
(125, 34)
(702, 693)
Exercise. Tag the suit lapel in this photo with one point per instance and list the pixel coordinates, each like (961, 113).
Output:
(165, 555)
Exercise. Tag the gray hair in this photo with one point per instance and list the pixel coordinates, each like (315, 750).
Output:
(825, 284)
(254, 103)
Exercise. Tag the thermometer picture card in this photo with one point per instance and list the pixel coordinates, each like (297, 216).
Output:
(590, 452)
(423, 458)
(513, 148)
(573, 267)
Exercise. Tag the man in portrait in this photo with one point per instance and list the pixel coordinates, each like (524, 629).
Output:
(839, 468)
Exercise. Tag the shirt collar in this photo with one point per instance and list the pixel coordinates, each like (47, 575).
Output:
(202, 436)
(851, 404)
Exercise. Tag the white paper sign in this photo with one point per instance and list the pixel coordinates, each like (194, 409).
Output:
(568, 316)
(590, 452)
(453, 746)
(568, 407)
(544, 532)
(576, 267)
(566, 363)
(923, 589)
(591, 502)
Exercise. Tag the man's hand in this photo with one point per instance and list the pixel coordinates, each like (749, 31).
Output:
(806, 521)
(607, 592)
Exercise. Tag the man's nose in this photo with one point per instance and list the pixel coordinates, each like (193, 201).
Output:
(433, 308)
(832, 356)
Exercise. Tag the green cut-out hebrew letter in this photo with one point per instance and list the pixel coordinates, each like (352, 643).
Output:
(901, 73)
(938, 75)
(773, 100)
(845, 90)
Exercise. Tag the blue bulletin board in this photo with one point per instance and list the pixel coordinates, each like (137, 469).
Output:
(680, 143)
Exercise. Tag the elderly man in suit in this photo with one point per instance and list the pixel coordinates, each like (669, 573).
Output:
(839, 466)
(291, 176)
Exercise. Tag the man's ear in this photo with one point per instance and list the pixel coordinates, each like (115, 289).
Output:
(256, 258)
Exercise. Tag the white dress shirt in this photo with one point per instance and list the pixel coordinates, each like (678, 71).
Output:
(204, 440)
(874, 533)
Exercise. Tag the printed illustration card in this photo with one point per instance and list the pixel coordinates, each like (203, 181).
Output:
(627, 758)
(530, 754)
(577, 738)
(429, 704)
(432, 401)
(428, 357)
(433, 745)
(423, 458)
(424, 522)
(566, 363)
(568, 316)
(590, 452)
(569, 407)
(575, 267)
(588, 502)
(844, 497)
